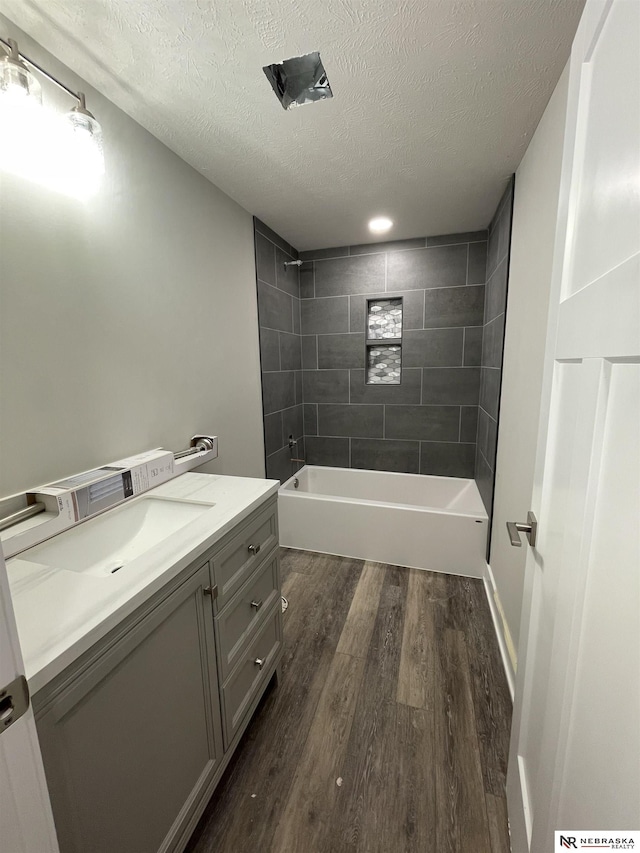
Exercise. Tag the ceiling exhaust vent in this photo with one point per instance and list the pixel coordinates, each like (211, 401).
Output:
(301, 80)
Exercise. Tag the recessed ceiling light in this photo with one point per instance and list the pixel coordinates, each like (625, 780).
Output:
(380, 224)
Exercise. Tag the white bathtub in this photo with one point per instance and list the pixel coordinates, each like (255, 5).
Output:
(436, 523)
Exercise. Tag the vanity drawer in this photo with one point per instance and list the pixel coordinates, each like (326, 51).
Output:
(248, 677)
(245, 612)
(235, 562)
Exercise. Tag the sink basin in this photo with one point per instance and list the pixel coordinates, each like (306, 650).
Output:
(106, 544)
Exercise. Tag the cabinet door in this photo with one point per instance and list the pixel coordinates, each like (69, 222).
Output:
(131, 745)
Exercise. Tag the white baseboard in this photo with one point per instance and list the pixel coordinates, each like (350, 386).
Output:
(505, 643)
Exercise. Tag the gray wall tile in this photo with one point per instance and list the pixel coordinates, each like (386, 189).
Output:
(287, 278)
(468, 423)
(290, 352)
(435, 406)
(335, 351)
(504, 225)
(326, 386)
(340, 276)
(412, 308)
(351, 420)
(496, 293)
(492, 252)
(325, 316)
(443, 266)
(310, 413)
(309, 352)
(278, 391)
(279, 465)
(265, 259)
(493, 339)
(296, 316)
(487, 438)
(408, 391)
(464, 237)
(453, 306)
(490, 390)
(273, 432)
(422, 423)
(477, 266)
(320, 254)
(388, 246)
(382, 455)
(493, 342)
(299, 391)
(357, 309)
(279, 318)
(447, 459)
(292, 424)
(432, 348)
(452, 386)
(275, 238)
(307, 290)
(472, 356)
(269, 349)
(274, 308)
(327, 451)
(484, 478)
(500, 230)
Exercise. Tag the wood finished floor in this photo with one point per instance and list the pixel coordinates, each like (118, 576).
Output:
(391, 682)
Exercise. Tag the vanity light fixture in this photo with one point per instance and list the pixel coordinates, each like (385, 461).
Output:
(380, 224)
(87, 133)
(16, 81)
(63, 152)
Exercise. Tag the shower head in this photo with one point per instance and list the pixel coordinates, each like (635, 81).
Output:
(292, 264)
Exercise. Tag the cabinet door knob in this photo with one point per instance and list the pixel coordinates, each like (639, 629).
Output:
(254, 548)
(259, 662)
(256, 604)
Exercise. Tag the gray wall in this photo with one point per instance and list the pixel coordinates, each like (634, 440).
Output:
(280, 349)
(495, 305)
(428, 423)
(126, 322)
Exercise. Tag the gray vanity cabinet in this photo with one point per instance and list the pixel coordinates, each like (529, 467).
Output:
(132, 738)
(137, 732)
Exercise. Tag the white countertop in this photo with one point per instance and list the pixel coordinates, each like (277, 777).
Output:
(61, 613)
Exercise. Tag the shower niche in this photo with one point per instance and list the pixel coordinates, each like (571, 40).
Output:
(384, 342)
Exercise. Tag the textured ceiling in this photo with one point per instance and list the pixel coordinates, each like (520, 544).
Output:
(434, 101)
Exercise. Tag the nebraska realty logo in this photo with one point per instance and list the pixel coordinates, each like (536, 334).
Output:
(572, 839)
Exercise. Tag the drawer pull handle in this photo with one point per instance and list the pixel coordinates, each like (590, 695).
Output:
(256, 605)
(259, 662)
(254, 548)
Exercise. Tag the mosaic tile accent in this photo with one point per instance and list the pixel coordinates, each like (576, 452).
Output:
(384, 319)
(384, 365)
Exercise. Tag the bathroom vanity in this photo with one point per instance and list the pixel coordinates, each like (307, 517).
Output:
(144, 676)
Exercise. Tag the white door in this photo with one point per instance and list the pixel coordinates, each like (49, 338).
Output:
(26, 822)
(575, 743)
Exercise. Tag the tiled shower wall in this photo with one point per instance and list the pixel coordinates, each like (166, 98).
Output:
(280, 350)
(492, 345)
(428, 423)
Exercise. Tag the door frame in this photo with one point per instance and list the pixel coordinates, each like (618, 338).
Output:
(591, 24)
